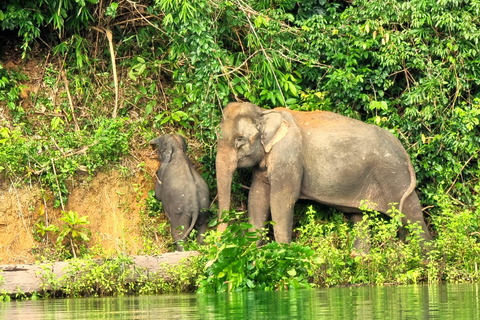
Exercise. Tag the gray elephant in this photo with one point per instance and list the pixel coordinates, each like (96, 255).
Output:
(321, 156)
(184, 193)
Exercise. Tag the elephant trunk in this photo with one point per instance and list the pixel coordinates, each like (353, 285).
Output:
(225, 166)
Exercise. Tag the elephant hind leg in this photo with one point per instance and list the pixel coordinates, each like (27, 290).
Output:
(201, 225)
(179, 224)
(361, 244)
(413, 213)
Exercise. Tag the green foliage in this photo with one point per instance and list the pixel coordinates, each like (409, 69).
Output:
(42, 229)
(452, 256)
(112, 10)
(30, 17)
(154, 207)
(88, 277)
(74, 230)
(235, 263)
(332, 242)
(389, 258)
(455, 256)
(10, 88)
(58, 153)
(116, 276)
(5, 296)
(181, 278)
(447, 158)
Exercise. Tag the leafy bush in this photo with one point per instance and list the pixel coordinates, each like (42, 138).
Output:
(235, 262)
(116, 276)
(453, 256)
(58, 156)
(74, 230)
(31, 17)
(332, 242)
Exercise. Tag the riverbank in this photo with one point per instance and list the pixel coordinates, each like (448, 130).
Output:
(60, 278)
(113, 202)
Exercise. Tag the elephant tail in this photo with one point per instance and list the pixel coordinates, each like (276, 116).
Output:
(192, 224)
(411, 187)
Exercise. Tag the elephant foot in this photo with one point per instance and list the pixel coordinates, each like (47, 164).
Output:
(179, 246)
(222, 227)
(355, 253)
(361, 246)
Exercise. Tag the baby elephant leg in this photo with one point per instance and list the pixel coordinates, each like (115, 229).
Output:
(201, 225)
(179, 226)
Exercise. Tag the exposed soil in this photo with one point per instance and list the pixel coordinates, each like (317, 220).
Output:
(112, 201)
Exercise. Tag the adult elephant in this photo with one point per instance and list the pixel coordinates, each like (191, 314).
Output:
(320, 155)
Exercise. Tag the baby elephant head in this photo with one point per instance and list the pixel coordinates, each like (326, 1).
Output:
(167, 145)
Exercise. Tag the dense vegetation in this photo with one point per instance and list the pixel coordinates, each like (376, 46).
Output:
(411, 67)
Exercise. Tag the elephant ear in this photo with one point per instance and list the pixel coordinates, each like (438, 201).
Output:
(274, 129)
(180, 141)
(166, 154)
(157, 144)
(154, 143)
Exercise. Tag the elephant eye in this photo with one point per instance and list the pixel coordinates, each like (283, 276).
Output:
(240, 141)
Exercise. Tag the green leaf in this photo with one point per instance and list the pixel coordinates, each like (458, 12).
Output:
(246, 226)
(165, 120)
(293, 89)
(131, 74)
(279, 97)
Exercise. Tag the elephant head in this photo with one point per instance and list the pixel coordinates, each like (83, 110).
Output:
(247, 133)
(167, 145)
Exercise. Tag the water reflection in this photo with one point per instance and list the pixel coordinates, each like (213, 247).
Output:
(396, 302)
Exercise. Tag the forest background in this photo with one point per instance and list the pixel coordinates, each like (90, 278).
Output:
(114, 75)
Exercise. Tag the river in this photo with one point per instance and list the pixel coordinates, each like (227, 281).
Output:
(450, 301)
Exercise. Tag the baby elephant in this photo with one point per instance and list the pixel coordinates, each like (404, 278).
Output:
(183, 192)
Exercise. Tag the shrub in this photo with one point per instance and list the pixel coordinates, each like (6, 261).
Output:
(235, 262)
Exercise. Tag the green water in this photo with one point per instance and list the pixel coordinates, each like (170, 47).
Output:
(395, 302)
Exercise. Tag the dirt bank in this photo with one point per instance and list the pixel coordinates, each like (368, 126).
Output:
(112, 200)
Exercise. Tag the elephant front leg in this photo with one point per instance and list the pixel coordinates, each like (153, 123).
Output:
(284, 192)
(259, 200)
(282, 204)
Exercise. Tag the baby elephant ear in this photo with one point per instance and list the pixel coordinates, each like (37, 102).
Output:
(273, 129)
(166, 154)
(154, 143)
(165, 149)
(180, 141)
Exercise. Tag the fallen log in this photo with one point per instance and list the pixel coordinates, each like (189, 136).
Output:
(27, 279)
